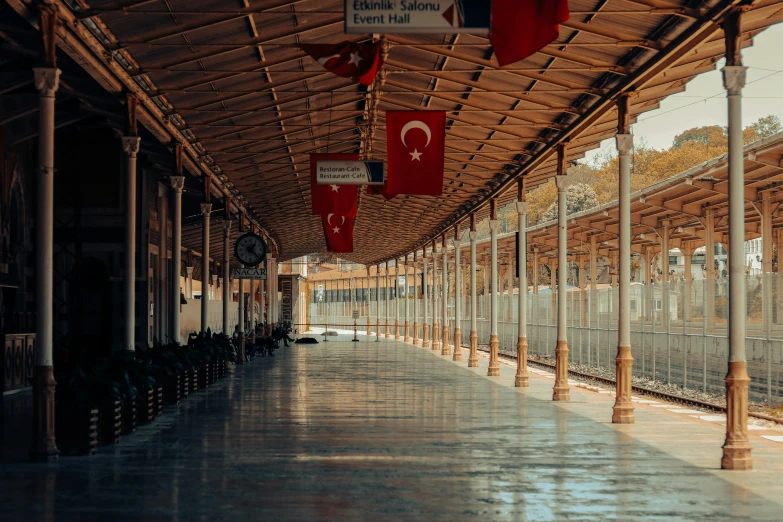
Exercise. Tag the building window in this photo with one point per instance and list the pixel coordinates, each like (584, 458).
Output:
(658, 305)
(633, 305)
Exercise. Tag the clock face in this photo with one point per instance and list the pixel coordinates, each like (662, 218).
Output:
(250, 249)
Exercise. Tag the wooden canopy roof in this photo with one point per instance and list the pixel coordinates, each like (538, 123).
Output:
(225, 78)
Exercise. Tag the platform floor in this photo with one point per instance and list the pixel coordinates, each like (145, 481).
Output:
(388, 431)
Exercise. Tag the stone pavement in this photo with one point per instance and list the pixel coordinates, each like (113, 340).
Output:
(388, 431)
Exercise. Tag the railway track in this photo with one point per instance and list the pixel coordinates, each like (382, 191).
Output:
(638, 389)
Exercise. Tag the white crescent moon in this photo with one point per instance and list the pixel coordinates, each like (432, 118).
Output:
(343, 221)
(329, 219)
(415, 124)
(323, 61)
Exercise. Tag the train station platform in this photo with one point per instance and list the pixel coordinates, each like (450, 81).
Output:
(389, 431)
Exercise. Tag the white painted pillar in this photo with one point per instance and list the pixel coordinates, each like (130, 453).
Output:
(241, 320)
(177, 185)
(494, 341)
(206, 209)
(189, 282)
(378, 300)
(396, 300)
(435, 295)
(226, 275)
(457, 301)
(407, 325)
(445, 348)
(388, 301)
(473, 357)
(130, 145)
(561, 390)
(736, 450)
(522, 378)
(623, 407)
(426, 325)
(43, 445)
(415, 300)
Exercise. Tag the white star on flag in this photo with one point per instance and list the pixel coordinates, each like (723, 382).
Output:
(335, 188)
(336, 230)
(355, 59)
(415, 155)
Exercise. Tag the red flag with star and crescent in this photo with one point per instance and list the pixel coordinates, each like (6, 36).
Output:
(416, 147)
(521, 28)
(338, 230)
(339, 199)
(357, 61)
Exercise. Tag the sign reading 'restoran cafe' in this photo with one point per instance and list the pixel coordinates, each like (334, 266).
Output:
(417, 16)
(332, 172)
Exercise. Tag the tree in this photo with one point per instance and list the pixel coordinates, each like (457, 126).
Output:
(579, 197)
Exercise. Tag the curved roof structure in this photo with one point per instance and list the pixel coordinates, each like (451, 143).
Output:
(226, 79)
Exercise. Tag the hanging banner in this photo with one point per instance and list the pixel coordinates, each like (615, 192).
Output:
(418, 16)
(331, 172)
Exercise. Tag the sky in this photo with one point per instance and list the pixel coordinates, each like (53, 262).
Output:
(704, 100)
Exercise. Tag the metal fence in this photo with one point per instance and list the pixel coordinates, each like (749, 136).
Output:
(679, 328)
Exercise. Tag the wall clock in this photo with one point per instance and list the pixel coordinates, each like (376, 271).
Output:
(250, 249)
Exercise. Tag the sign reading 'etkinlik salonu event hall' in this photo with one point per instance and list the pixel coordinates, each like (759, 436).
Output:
(331, 172)
(417, 16)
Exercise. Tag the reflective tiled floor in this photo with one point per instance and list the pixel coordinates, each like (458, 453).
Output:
(374, 431)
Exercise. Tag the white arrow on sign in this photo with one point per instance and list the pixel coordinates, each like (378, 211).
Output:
(250, 273)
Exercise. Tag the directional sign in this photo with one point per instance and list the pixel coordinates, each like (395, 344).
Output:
(250, 273)
(330, 172)
(356, 314)
(417, 16)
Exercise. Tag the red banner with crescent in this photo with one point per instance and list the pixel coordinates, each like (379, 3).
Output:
(357, 61)
(416, 142)
(338, 230)
(339, 199)
(521, 28)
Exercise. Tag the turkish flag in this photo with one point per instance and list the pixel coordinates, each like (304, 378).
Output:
(339, 199)
(416, 145)
(357, 61)
(521, 28)
(338, 230)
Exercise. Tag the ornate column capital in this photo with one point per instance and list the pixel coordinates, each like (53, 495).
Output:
(214, 279)
(130, 145)
(624, 143)
(494, 225)
(473, 235)
(206, 209)
(189, 270)
(560, 181)
(457, 245)
(178, 183)
(522, 207)
(734, 78)
(226, 228)
(47, 80)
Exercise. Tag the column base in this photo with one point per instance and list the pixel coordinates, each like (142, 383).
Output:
(369, 329)
(44, 445)
(435, 337)
(473, 357)
(241, 350)
(416, 334)
(457, 345)
(522, 378)
(396, 330)
(561, 391)
(736, 449)
(425, 342)
(407, 331)
(445, 348)
(622, 412)
(494, 365)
